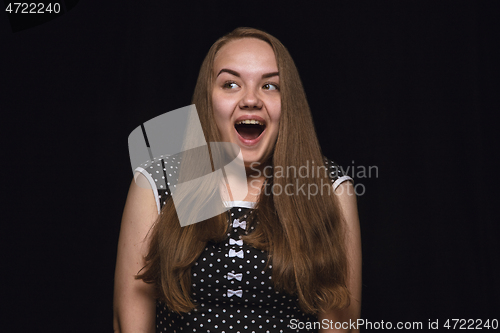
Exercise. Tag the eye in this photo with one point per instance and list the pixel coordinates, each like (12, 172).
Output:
(271, 86)
(230, 85)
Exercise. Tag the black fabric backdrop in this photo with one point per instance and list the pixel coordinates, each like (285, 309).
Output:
(409, 87)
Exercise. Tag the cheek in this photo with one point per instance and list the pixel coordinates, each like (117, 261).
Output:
(223, 107)
(276, 113)
(275, 117)
(222, 114)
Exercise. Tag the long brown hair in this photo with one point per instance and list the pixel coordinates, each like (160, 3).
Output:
(304, 235)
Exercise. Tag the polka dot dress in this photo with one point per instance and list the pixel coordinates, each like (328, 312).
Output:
(232, 286)
(233, 290)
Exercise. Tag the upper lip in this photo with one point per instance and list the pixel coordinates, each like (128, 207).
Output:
(250, 117)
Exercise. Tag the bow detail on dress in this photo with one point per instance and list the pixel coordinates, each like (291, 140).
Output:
(237, 223)
(233, 253)
(237, 276)
(237, 242)
(231, 292)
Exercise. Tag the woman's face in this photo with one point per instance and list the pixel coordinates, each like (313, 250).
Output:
(246, 97)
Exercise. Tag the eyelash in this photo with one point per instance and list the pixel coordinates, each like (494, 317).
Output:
(227, 83)
(273, 84)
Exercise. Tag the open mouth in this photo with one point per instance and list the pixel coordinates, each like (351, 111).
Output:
(250, 129)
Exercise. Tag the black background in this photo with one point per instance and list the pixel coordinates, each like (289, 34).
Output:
(407, 86)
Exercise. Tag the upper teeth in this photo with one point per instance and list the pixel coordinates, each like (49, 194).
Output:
(249, 121)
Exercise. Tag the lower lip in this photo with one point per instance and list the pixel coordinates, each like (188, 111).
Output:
(247, 142)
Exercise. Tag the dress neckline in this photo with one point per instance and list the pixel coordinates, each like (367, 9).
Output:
(242, 204)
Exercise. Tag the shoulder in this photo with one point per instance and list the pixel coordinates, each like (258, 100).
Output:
(336, 173)
(156, 175)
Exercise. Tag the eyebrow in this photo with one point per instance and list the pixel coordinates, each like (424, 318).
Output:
(230, 71)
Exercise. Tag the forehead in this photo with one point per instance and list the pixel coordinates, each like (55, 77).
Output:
(246, 54)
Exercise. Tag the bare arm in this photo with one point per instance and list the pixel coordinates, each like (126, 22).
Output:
(347, 199)
(133, 301)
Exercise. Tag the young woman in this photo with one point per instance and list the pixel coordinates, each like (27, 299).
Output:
(286, 258)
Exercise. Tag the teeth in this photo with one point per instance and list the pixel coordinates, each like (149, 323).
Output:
(249, 122)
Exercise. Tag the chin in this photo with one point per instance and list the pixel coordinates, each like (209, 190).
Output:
(248, 159)
(258, 158)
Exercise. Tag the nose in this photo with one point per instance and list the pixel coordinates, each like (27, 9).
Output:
(250, 100)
